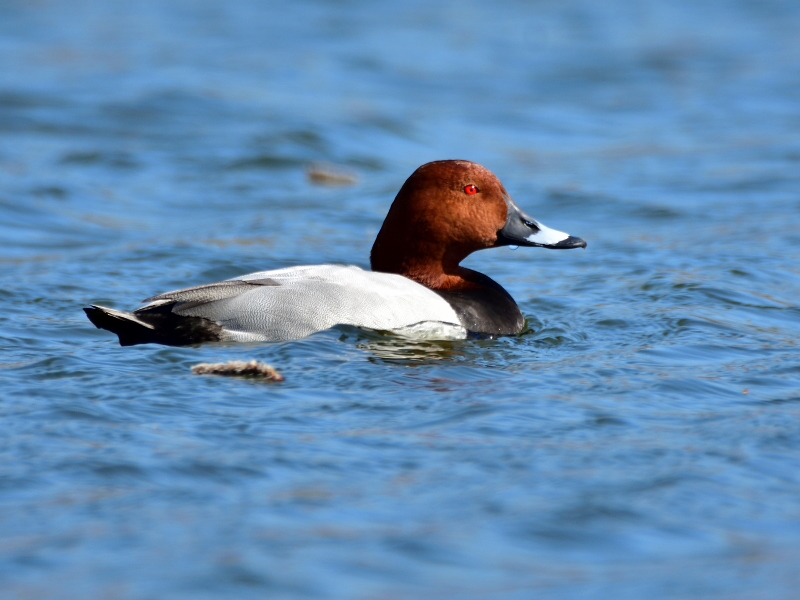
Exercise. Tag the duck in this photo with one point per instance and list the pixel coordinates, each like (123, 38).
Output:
(445, 211)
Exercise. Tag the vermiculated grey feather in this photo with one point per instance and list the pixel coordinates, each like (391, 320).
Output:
(294, 302)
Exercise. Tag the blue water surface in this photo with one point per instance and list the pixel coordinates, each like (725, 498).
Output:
(640, 440)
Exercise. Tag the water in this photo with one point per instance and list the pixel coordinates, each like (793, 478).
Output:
(641, 439)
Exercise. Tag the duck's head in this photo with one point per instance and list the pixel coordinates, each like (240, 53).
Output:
(447, 210)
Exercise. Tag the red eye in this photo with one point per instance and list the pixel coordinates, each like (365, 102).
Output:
(470, 189)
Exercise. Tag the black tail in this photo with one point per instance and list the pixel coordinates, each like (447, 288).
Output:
(154, 327)
(131, 331)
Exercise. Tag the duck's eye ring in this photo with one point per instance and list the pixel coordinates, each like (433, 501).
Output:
(470, 189)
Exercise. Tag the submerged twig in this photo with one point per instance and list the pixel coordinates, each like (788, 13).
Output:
(239, 368)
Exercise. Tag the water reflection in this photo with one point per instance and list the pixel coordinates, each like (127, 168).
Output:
(387, 347)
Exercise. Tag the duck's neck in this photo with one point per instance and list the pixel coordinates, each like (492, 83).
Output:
(434, 270)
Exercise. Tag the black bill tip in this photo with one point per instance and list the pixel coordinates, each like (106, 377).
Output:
(570, 242)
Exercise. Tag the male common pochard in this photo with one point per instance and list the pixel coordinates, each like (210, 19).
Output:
(444, 212)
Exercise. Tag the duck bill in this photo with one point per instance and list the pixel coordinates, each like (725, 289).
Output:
(523, 230)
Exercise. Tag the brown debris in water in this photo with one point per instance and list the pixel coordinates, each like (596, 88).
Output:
(329, 175)
(239, 368)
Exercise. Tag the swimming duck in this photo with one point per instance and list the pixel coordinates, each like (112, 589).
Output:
(445, 211)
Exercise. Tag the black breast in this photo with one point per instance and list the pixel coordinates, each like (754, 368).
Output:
(488, 310)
